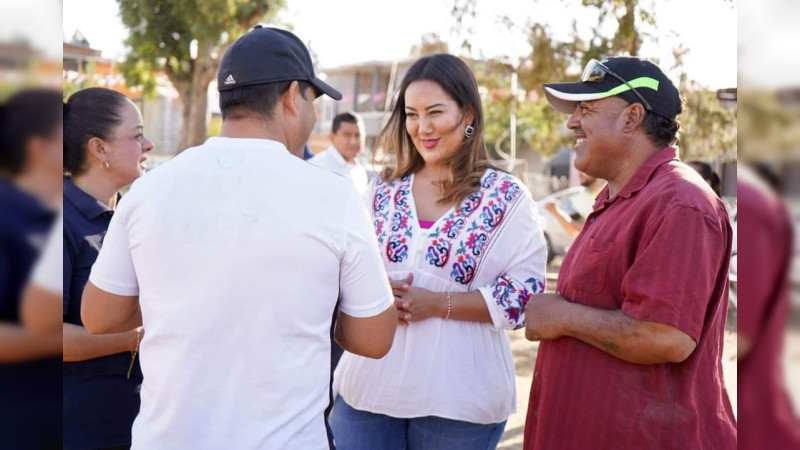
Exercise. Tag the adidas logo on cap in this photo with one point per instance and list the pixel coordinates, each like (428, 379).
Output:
(230, 80)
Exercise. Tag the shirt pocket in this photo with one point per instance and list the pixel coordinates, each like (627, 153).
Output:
(592, 265)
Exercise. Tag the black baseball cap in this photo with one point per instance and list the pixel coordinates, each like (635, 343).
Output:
(269, 55)
(636, 80)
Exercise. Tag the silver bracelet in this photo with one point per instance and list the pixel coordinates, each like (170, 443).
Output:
(449, 305)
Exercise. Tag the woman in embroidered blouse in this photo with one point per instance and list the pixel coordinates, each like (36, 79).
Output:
(463, 245)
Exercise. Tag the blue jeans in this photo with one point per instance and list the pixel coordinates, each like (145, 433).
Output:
(361, 430)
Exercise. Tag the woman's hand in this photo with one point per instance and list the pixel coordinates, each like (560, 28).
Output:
(414, 303)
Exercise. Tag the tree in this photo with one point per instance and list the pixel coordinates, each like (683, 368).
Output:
(185, 40)
(429, 44)
(539, 127)
(631, 17)
(708, 129)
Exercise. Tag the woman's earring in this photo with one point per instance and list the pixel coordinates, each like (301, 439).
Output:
(106, 165)
(469, 131)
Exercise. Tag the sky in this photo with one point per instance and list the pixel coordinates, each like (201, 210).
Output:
(769, 59)
(35, 21)
(348, 31)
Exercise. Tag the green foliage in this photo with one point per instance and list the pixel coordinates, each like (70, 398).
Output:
(549, 60)
(162, 32)
(769, 126)
(430, 44)
(633, 22)
(185, 39)
(71, 87)
(539, 126)
(709, 130)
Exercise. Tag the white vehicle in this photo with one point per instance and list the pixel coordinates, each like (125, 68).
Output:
(558, 240)
(733, 276)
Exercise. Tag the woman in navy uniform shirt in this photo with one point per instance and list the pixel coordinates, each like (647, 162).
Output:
(30, 191)
(104, 151)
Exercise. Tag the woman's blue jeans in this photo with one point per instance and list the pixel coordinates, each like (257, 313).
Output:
(361, 430)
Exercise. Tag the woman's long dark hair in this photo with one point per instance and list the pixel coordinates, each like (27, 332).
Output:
(471, 160)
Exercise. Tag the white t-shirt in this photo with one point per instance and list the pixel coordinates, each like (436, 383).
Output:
(48, 273)
(332, 160)
(492, 243)
(238, 251)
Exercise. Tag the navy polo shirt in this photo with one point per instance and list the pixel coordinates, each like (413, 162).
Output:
(100, 402)
(30, 393)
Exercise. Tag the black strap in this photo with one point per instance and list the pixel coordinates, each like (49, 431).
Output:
(336, 354)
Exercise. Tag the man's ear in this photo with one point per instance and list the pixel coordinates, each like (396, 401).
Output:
(289, 99)
(634, 116)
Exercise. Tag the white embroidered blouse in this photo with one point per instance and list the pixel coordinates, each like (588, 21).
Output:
(491, 242)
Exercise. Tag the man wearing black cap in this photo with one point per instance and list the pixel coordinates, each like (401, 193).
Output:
(632, 338)
(232, 255)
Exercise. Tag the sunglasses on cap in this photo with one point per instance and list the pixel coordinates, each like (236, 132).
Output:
(596, 71)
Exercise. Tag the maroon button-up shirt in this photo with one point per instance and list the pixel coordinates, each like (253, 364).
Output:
(659, 251)
(764, 403)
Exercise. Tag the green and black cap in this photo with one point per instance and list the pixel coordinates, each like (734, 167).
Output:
(636, 80)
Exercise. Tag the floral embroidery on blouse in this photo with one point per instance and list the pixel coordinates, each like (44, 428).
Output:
(512, 296)
(394, 212)
(380, 209)
(458, 241)
(479, 215)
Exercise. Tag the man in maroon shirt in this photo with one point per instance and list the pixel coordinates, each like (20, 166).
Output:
(764, 308)
(632, 338)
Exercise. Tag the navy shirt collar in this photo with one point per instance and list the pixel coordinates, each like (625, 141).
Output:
(88, 205)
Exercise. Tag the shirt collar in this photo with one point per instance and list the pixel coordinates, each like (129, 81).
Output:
(642, 176)
(88, 205)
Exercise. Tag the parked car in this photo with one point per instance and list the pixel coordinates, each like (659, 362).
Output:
(558, 240)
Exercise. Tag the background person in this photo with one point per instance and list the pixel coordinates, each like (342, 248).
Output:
(583, 202)
(763, 312)
(347, 140)
(708, 174)
(30, 194)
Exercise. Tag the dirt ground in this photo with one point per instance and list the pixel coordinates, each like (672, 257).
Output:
(524, 353)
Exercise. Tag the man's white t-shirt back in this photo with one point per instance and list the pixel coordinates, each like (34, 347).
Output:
(238, 251)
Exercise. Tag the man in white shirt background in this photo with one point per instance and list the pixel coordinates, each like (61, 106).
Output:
(347, 140)
(232, 256)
